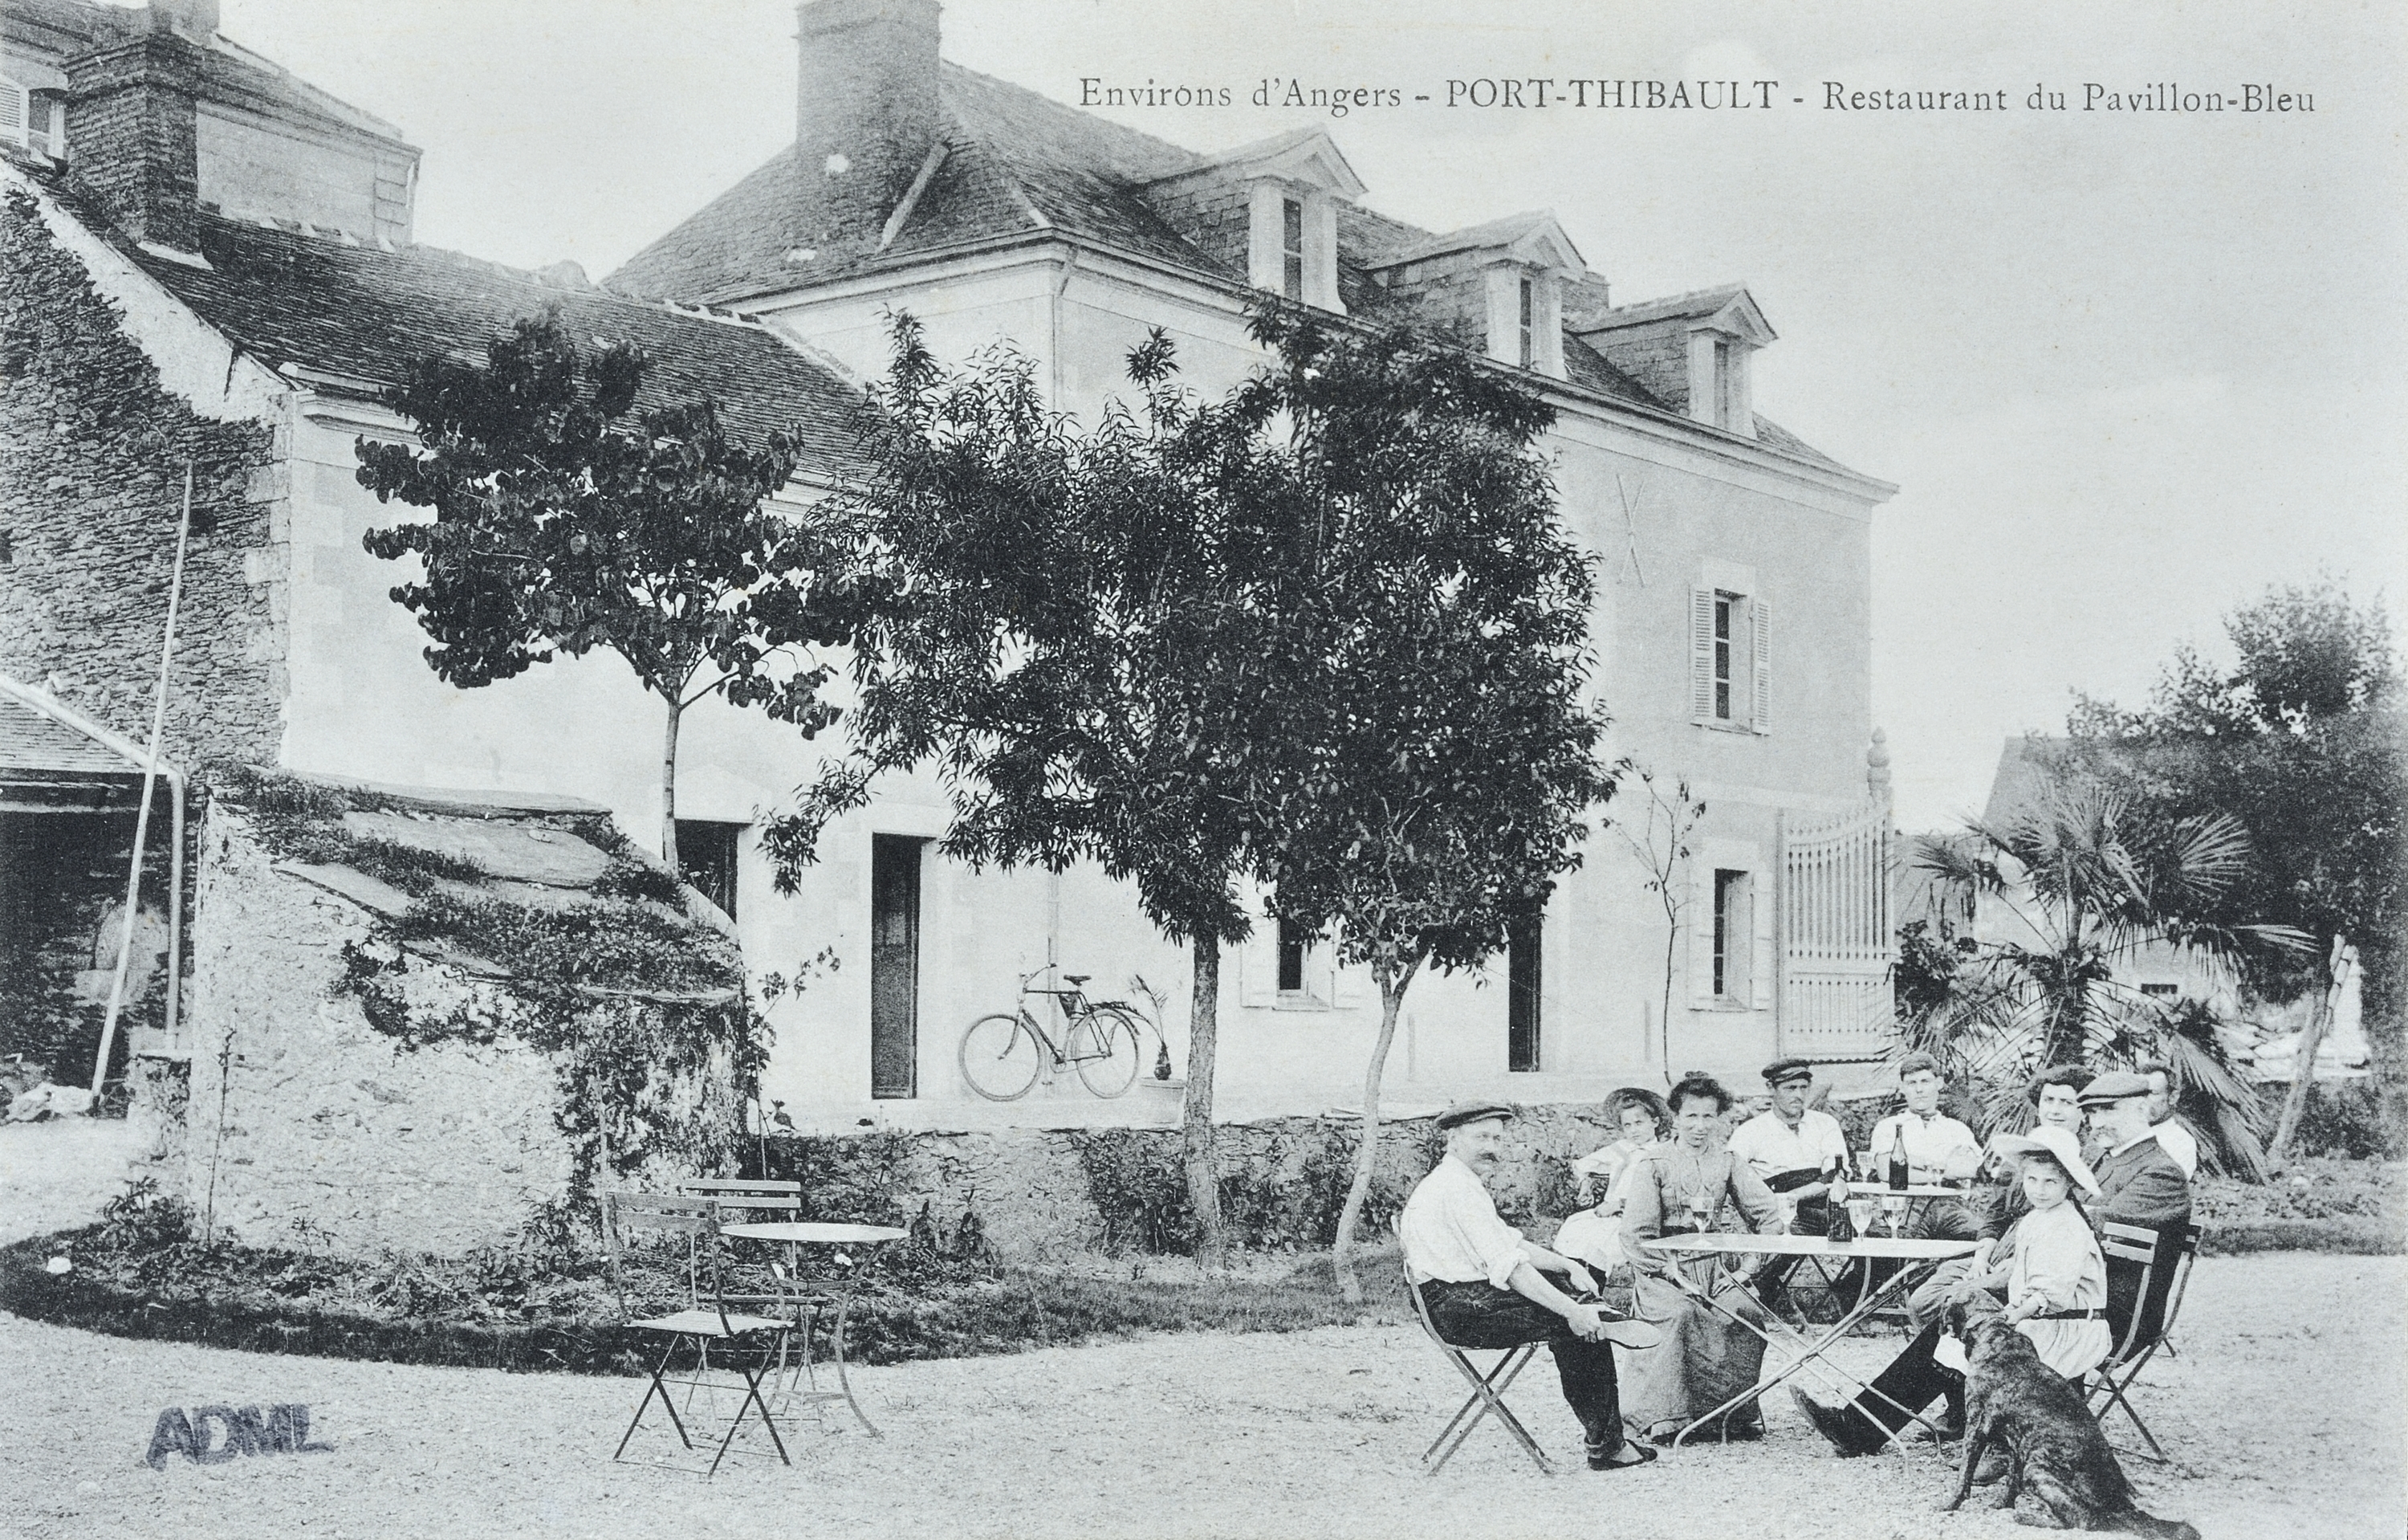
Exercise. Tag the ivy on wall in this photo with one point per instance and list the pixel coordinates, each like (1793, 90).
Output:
(655, 1046)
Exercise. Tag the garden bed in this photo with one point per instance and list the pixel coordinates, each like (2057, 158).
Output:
(140, 1274)
(2328, 1203)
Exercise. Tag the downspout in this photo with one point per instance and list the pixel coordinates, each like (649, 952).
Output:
(1054, 322)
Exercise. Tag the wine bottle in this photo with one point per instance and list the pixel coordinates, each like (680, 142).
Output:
(1897, 1158)
(1843, 1228)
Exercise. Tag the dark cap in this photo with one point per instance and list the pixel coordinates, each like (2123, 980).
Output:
(1478, 1111)
(1780, 1071)
(2115, 1086)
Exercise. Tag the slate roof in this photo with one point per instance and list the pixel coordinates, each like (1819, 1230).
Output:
(50, 30)
(29, 740)
(1696, 302)
(1019, 164)
(365, 313)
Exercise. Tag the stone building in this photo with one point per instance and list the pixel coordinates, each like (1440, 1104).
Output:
(202, 274)
(1733, 611)
(146, 328)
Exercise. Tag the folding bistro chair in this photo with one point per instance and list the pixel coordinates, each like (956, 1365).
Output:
(2139, 1245)
(737, 1200)
(1487, 1390)
(703, 1322)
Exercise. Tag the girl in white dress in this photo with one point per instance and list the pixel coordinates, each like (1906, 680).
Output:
(2057, 1286)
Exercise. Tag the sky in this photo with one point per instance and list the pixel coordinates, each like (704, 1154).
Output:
(2127, 369)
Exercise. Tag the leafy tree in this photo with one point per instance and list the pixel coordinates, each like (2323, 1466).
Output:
(2092, 877)
(1077, 636)
(1436, 761)
(566, 520)
(2302, 740)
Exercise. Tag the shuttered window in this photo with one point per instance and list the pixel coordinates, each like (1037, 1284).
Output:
(1730, 660)
(12, 112)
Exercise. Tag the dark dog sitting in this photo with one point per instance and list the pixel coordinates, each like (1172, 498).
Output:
(2035, 1417)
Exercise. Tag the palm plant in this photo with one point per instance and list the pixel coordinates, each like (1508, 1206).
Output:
(2087, 879)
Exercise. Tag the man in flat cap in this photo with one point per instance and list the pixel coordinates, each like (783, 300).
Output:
(1796, 1151)
(2139, 1184)
(1486, 1287)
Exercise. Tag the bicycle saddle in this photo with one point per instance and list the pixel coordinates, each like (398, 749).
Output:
(1074, 980)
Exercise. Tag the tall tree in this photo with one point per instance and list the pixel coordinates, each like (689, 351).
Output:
(1077, 637)
(1436, 759)
(565, 521)
(1660, 842)
(2093, 877)
(2303, 739)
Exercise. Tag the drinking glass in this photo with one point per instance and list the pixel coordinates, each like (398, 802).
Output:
(1860, 1210)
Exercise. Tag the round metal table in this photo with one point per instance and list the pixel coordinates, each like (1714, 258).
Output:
(873, 1239)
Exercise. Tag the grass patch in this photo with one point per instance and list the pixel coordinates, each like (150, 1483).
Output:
(2316, 1203)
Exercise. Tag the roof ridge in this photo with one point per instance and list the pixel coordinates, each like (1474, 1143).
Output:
(530, 277)
(1194, 157)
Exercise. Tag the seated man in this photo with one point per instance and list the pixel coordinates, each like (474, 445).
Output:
(1486, 1287)
(1937, 1147)
(2139, 1184)
(1796, 1151)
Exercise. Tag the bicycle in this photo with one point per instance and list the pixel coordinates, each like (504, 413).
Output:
(1003, 1053)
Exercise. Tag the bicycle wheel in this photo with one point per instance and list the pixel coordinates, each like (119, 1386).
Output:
(1106, 1047)
(1000, 1056)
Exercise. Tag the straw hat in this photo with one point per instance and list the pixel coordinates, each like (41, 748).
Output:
(2055, 1142)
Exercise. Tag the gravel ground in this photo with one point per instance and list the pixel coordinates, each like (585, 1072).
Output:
(2287, 1401)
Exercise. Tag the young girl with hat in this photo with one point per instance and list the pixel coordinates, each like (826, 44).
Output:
(2057, 1286)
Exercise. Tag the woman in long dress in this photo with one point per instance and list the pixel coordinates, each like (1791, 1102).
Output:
(1694, 1184)
(1593, 1234)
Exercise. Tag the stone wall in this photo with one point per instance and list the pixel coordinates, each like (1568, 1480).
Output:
(302, 1116)
(93, 452)
(1032, 1193)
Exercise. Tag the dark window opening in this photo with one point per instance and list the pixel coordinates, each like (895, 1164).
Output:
(1722, 605)
(2161, 990)
(1292, 248)
(1292, 947)
(707, 859)
(1530, 326)
(1728, 890)
(1522, 981)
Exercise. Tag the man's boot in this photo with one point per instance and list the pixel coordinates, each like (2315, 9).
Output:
(1952, 1419)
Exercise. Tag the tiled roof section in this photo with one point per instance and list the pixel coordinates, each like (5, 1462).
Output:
(365, 312)
(229, 72)
(30, 740)
(1772, 433)
(1590, 370)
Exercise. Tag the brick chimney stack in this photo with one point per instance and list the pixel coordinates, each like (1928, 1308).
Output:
(866, 112)
(131, 132)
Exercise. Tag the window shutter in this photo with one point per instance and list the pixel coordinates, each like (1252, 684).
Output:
(1761, 957)
(1762, 626)
(1699, 917)
(12, 112)
(1701, 654)
(1258, 965)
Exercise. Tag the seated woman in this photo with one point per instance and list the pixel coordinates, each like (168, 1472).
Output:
(1694, 1184)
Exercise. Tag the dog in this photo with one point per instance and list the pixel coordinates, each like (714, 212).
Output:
(2037, 1418)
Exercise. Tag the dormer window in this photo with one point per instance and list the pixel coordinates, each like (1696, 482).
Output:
(1269, 210)
(1692, 351)
(33, 118)
(1496, 288)
(1526, 317)
(1292, 248)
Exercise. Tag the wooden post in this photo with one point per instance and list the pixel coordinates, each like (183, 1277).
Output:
(176, 909)
(142, 818)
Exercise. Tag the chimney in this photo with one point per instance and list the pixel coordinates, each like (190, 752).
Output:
(130, 134)
(866, 111)
(195, 19)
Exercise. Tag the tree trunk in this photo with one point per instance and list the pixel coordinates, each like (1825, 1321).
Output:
(1366, 1158)
(669, 789)
(1664, 1025)
(1202, 1154)
(2303, 1067)
(2380, 963)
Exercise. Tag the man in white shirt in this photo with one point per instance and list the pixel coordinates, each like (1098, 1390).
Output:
(1486, 1287)
(2173, 1137)
(1939, 1148)
(1796, 1151)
